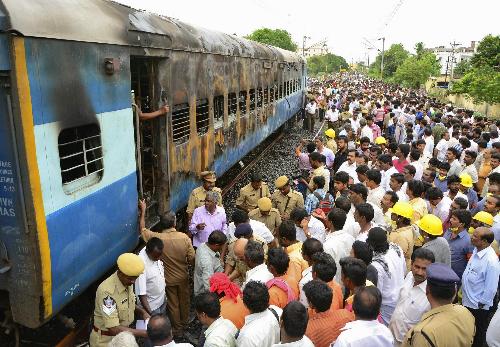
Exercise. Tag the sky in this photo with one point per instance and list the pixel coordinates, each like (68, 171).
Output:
(346, 25)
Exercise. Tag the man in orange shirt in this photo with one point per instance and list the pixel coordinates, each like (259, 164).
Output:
(324, 324)
(324, 269)
(288, 240)
(282, 288)
(230, 298)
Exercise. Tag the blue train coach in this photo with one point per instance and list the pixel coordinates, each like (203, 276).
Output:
(74, 158)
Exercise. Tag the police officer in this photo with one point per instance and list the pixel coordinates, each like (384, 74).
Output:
(197, 197)
(446, 324)
(284, 198)
(249, 194)
(266, 214)
(115, 302)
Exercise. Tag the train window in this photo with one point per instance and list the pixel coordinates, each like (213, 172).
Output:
(266, 96)
(280, 93)
(243, 102)
(180, 123)
(202, 116)
(80, 157)
(252, 99)
(232, 107)
(259, 97)
(271, 94)
(276, 91)
(218, 111)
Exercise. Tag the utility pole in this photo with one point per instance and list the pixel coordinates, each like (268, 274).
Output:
(382, 60)
(304, 44)
(453, 45)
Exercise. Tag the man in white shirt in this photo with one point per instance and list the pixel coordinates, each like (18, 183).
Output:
(451, 156)
(338, 242)
(350, 166)
(307, 226)
(412, 302)
(293, 325)
(366, 131)
(309, 248)
(469, 167)
(254, 259)
(414, 161)
(311, 108)
(355, 122)
(365, 330)
(262, 328)
(438, 204)
(150, 285)
(220, 332)
(160, 332)
(327, 152)
(442, 147)
(385, 164)
(389, 260)
(429, 142)
(375, 191)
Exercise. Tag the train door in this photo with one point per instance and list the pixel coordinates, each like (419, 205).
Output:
(150, 135)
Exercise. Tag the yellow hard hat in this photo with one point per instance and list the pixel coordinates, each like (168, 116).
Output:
(466, 180)
(264, 204)
(431, 225)
(484, 217)
(281, 182)
(130, 264)
(403, 209)
(330, 133)
(380, 140)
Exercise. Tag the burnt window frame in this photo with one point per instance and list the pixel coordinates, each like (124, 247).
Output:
(232, 107)
(252, 96)
(266, 96)
(218, 107)
(182, 135)
(202, 116)
(242, 97)
(81, 141)
(259, 97)
(271, 94)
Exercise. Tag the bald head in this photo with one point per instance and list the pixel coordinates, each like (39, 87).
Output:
(239, 248)
(159, 330)
(482, 238)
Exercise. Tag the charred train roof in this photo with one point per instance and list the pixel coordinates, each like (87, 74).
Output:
(104, 21)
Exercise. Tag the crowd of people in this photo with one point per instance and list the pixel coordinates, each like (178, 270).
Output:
(386, 236)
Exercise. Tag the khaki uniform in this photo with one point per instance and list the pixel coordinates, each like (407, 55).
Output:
(404, 238)
(271, 220)
(332, 144)
(114, 306)
(286, 203)
(240, 265)
(249, 196)
(197, 198)
(444, 326)
(178, 254)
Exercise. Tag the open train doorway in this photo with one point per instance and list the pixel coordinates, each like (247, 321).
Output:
(150, 135)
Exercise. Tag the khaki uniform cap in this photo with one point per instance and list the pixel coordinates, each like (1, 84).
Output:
(264, 204)
(130, 264)
(281, 182)
(208, 176)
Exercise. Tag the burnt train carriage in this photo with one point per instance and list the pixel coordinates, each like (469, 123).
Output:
(74, 158)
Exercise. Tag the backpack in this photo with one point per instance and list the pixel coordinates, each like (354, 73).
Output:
(324, 203)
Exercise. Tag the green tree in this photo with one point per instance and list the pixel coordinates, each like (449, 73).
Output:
(462, 67)
(274, 37)
(393, 58)
(326, 63)
(488, 52)
(416, 70)
(481, 82)
(419, 49)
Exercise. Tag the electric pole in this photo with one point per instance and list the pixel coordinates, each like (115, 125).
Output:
(382, 60)
(453, 45)
(304, 45)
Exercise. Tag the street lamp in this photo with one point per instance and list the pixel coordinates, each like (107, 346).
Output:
(382, 60)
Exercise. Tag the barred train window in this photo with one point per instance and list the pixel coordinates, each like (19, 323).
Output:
(259, 97)
(271, 95)
(218, 111)
(202, 116)
(252, 99)
(80, 157)
(266, 96)
(243, 103)
(180, 123)
(232, 107)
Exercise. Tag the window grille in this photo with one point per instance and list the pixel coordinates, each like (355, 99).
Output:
(180, 123)
(266, 96)
(243, 102)
(252, 99)
(218, 111)
(80, 157)
(202, 116)
(280, 94)
(259, 97)
(232, 107)
(271, 94)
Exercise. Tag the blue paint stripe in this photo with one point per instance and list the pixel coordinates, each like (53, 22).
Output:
(74, 88)
(87, 237)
